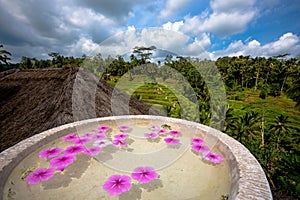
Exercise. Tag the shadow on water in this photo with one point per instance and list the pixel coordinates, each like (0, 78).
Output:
(174, 146)
(106, 153)
(156, 140)
(136, 191)
(64, 178)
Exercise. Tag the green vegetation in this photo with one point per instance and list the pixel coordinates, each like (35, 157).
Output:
(261, 108)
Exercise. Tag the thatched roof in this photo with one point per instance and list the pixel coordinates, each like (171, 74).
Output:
(32, 101)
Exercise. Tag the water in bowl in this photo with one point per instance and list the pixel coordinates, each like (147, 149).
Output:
(183, 173)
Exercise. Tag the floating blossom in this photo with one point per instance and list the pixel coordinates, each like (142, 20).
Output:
(117, 184)
(74, 149)
(144, 174)
(70, 138)
(49, 153)
(213, 157)
(82, 140)
(99, 137)
(123, 128)
(119, 142)
(200, 147)
(154, 128)
(62, 161)
(175, 133)
(39, 175)
(162, 131)
(197, 141)
(103, 128)
(151, 135)
(88, 135)
(121, 136)
(102, 143)
(172, 140)
(92, 151)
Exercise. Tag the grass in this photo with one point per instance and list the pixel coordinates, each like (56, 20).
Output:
(169, 93)
(271, 106)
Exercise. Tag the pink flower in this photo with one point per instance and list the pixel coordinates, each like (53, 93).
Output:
(121, 136)
(62, 161)
(175, 133)
(162, 131)
(74, 149)
(99, 136)
(123, 128)
(144, 174)
(82, 140)
(197, 140)
(119, 142)
(88, 135)
(151, 135)
(49, 153)
(39, 175)
(213, 157)
(92, 151)
(117, 184)
(153, 128)
(172, 140)
(70, 138)
(200, 147)
(103, 128)
(102, 143)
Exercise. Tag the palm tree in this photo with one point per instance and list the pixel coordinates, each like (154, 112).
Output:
(4, 58)
(280, 128)
(246, 124)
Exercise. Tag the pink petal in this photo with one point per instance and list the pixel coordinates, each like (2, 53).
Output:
(99, 137)
(103, 128)
(172, 140)
(70, 138)
(39, 175)
(117, 184)
(151, 135)
(121, 136)
(213, 157)
(175, 133)
(82, 140)
(74, 149)
(200, 147)
(154, 128)
(123, 128)
(197, 140)
(119, 142)
(162, 131)
(62, 161)
(92, 151)
(144, 174)
(49, 153)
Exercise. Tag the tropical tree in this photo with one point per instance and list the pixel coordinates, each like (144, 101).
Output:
(246, 125)
(4, 58)
(280, 128)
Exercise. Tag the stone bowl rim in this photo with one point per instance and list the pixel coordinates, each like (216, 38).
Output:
(248, 178)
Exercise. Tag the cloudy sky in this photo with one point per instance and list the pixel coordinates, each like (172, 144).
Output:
(199, 28)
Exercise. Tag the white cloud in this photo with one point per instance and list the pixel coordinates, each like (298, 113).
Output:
(227, 18)
(231, 5)
(287, 43)
(227, 23)
(176, 26)
(172, 7)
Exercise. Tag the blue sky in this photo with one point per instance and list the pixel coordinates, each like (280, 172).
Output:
(203, 28)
